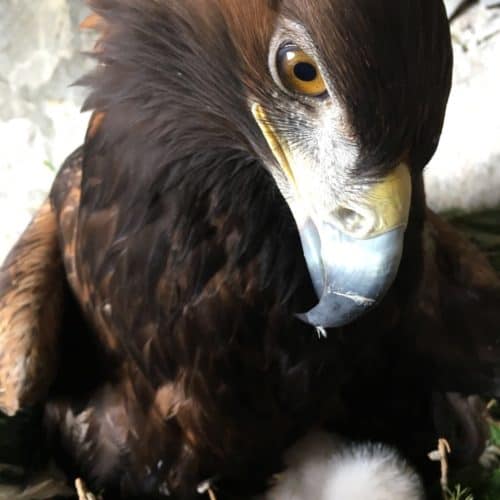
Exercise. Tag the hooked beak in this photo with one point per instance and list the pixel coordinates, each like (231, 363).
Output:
(353, 251)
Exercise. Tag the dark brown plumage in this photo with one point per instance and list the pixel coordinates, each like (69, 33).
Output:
(180, 356)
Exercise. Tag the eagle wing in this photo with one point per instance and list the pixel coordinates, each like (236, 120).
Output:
(31, 289)
(32, 298)
(457, 320)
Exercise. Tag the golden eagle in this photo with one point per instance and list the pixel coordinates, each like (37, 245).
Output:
(199, 290)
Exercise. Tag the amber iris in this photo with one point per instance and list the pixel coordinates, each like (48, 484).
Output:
(299, 72)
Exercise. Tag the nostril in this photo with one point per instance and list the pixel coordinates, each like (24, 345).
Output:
(351, 220)
(354, 222)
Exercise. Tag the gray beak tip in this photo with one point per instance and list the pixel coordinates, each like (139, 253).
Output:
(350, 275)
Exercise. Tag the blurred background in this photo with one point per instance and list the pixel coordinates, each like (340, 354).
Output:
(40, 122)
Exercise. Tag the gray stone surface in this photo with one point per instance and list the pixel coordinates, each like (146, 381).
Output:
(40, 122)
(465, 172)
(453, 5)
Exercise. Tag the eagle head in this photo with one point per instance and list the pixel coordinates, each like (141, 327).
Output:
(341, 102)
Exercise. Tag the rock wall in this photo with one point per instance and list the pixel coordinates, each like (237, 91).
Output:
(465, 172)
(40, 122)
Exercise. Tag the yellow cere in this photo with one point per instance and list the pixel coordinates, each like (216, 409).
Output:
(391, 199)
(278, 150)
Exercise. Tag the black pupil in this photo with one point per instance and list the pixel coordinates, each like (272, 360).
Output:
(305, 72)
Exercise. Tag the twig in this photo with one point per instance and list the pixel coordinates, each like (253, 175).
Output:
(83, 493)
(441, 455)
(206, 487)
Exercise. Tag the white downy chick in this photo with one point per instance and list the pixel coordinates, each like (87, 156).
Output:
(324, 467)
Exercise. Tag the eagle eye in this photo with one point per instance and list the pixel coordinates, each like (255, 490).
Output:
(299, 72)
